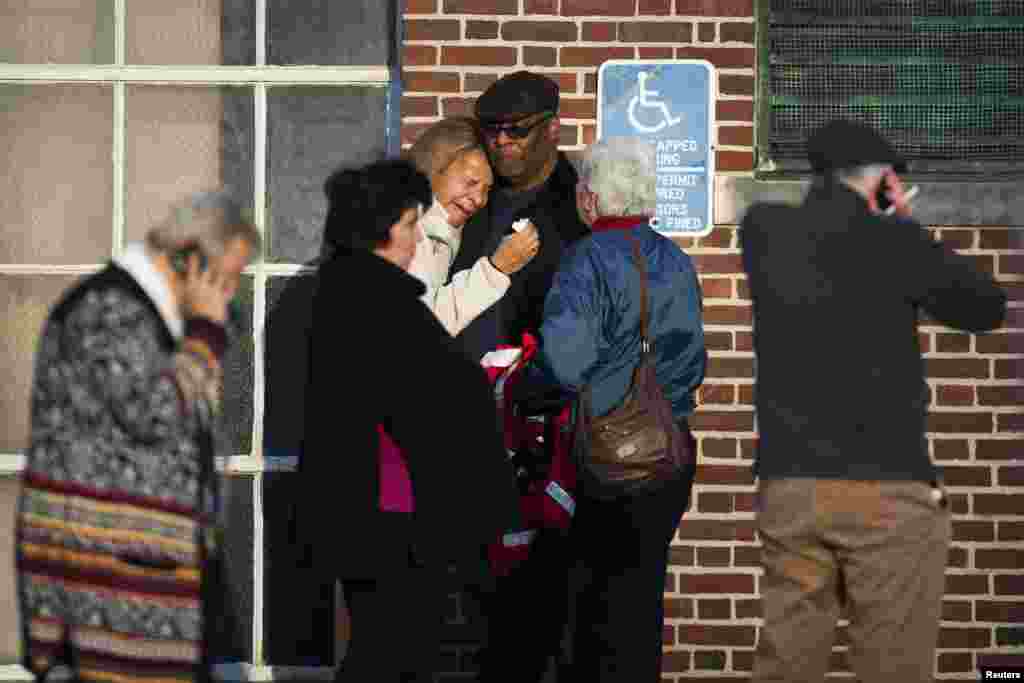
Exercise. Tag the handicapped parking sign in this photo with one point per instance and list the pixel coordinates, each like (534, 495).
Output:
(670, 103)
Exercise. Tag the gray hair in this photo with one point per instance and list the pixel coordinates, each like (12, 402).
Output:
(621, 171)
(210, 220)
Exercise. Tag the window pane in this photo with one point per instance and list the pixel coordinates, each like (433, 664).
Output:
(286, 348)
(55, 164)
(312, 131)
(25, 301)
(180, 140)
(236, 409)
(57, 32)
(353, 32)
(190, 32)
(299, 603)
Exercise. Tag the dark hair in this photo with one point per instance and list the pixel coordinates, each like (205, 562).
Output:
(363, 203)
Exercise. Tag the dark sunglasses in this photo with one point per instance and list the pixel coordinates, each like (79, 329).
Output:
(493, 130)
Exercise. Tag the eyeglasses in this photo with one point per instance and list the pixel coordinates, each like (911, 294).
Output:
(493, 130)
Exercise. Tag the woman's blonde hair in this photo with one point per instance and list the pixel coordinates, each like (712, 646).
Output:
(439, 146)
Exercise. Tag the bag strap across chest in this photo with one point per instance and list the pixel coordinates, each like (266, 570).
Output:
(641, 265)
(645, 344)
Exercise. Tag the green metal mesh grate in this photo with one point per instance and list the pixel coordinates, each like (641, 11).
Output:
(943, 79)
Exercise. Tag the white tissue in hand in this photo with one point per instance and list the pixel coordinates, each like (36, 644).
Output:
(520, 224)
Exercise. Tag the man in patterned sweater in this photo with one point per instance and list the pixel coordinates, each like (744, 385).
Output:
(116, 521)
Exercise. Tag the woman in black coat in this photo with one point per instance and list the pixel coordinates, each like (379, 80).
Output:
(383, 367)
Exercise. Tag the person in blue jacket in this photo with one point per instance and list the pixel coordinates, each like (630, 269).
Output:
(591, 336)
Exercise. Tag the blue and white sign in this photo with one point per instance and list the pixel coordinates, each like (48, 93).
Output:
(671, 103)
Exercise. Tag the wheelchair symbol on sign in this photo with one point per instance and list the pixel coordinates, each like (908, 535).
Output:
(644, 100)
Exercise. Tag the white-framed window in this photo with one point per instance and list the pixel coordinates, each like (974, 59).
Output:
(110, 110)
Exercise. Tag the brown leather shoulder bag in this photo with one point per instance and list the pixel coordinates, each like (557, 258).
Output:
(638, 445)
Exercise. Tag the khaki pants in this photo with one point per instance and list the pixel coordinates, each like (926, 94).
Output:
(879, 546)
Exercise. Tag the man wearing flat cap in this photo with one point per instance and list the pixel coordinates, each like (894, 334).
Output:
(851, 510)
(518, 115)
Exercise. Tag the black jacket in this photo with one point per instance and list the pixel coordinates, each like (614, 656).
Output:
(379, 356)
(522, 308)
(836, 293)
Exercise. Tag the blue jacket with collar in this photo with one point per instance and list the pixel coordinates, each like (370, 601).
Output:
(591, 328)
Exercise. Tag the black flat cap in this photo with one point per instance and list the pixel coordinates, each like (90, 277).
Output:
(846, 144)
(517, 96)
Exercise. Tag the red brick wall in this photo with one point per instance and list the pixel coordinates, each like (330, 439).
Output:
(455, 48)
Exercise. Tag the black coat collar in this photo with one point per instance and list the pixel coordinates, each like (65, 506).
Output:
(560, 185)
(363, 266)
(839, 196)
(558, 200)
(564, 178)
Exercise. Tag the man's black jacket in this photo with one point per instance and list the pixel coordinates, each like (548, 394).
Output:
(836, 292)
(521, 309)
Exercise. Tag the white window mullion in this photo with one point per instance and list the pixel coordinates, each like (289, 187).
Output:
(259, 320)
(118, 154)
(272, 269)
(117, 212)
(259, 379)
(260, 270)
(119, 36)
(11, 463)
(258, 572)
(261, 32)
(194, 75)
(231, 465)
(45, 269)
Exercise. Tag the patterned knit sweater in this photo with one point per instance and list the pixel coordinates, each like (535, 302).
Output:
(118, 506)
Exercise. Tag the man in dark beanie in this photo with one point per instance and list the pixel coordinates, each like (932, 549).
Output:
(851, 509)
(518, 115)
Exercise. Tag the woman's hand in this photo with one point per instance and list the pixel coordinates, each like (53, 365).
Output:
(206, 292)
(515, 251)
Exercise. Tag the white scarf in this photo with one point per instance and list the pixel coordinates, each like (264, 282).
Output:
(137, 262)
(435, 226)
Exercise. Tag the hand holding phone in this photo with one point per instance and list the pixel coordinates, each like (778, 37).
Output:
(881, 197)
(180, 260)
(891, 183)
(908, 195)
(205, 292)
